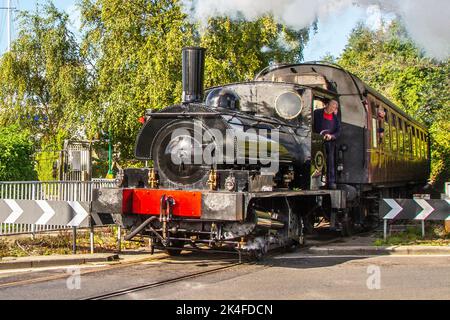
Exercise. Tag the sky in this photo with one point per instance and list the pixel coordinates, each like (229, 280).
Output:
(331, 37)
(66, 5)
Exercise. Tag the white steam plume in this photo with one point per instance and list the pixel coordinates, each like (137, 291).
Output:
(426, 20)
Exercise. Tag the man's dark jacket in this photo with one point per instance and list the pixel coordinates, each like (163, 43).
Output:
(319, 124)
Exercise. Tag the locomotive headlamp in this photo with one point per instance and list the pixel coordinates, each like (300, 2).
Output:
(289, 105)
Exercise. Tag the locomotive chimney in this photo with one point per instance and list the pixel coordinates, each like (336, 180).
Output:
(193, 74)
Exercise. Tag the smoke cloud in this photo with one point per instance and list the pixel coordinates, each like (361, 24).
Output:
(425, 21)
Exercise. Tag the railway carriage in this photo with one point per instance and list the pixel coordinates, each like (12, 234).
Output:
(238, 166)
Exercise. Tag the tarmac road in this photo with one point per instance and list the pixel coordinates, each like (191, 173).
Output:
(285, 276)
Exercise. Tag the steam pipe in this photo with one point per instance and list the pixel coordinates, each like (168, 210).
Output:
(131, 235)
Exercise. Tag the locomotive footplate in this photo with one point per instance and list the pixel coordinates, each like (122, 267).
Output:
(201, 204)
(242, 221)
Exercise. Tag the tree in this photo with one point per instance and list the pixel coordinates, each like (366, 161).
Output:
(16, 155)
(43, 80)
(129, 60)
(390, 62)
(136, 46)
(238, 49)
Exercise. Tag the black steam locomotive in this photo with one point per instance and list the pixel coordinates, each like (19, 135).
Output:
(239, 166)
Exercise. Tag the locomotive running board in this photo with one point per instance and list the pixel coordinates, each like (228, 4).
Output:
(205, 205)
(338, 197)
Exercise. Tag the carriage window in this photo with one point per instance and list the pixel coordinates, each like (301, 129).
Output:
(381, 117)
(401, 136)
(374, 125)
(387, 132)
(374, 133)
(408, 139)
(394, 133)
(422, 154)
(417, 144)
(424, 146)
(419, 141)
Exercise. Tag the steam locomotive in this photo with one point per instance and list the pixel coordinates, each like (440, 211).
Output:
(239, 167)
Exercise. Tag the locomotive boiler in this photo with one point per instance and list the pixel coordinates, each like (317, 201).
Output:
(239, 167)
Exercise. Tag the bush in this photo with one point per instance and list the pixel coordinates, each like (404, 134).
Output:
(16, 155)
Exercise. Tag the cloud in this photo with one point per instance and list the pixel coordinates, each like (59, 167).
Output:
(426, 21)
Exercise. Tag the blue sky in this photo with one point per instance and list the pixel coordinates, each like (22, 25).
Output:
(331, 37)
(67, 5)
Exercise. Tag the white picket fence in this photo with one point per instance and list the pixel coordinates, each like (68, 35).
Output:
(46, 190)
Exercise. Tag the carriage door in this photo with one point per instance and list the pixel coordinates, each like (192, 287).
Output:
(318, 161)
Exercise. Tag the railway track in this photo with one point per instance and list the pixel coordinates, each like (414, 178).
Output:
(151, 285)
(84, 272)
(157, 257)
(156, 284)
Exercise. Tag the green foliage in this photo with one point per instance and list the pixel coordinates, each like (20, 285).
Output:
(43, 79)
(238, 49)
(137, 47)
(129, 60)
(105, 240)
(48, 155)
(44, 165)
(390, 62)
(435, 235)
(16, 155)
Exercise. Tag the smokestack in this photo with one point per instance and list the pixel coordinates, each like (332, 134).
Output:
(193, 74)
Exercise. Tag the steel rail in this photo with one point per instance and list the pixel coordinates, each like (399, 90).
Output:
(156, 284)
(64, 276)
(157, 257)
(161, 283)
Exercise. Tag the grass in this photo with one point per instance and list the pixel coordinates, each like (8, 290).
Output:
(435, 235)
(105, 241)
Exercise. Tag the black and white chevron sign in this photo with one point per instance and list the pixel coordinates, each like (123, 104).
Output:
(41, 212)
(415, 209)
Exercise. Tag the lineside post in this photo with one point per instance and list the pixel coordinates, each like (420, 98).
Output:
(119, 239)
(74, 240)
(91, 237)
(423, 228)
(385, 229)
